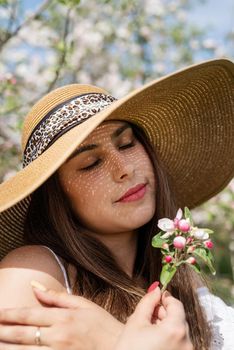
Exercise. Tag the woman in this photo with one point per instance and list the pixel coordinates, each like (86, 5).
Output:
(92, 190)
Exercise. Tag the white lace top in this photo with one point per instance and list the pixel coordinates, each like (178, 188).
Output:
(221, 318)
(218, 314)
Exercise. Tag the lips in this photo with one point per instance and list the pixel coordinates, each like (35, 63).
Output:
(131, 191)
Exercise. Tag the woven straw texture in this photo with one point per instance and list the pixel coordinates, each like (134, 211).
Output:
(188, 117)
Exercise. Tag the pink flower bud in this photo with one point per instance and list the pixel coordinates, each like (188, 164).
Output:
(191, 249)
(168, 258)
(209, 244)
(179, 242)
(191, 260)
(176, 221)
(165, 246)
(183, 225)
(189, 240)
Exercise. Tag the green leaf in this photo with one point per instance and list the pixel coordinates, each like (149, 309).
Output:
(210, 255)
(157, 242)
(207, 230)
(206, 257)
(188, 215)
(195, 267)
(180, 263)
(167, 273)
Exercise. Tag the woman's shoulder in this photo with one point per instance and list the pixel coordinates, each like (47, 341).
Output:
(25, 251)
(221, 318)
(25, 264)
(31, 255)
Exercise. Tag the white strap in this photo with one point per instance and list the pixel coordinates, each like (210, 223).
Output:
(68, 287)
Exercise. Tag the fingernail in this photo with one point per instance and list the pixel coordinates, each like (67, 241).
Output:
(37, 285)
(166, 293)
(153, 286)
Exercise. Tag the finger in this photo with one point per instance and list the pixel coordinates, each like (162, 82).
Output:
(174, 308)
(162, 312)
(36, 316)
(145, 308)
(159, 313)
(24, 335)
(9, 346)
(53, 298)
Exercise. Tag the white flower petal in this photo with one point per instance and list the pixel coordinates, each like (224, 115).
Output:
(166, 224)
(200, 234)
(205, 236)
(167, 234)
(179, 214)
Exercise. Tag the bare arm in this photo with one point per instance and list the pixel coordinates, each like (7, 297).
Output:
(19, 268)
(72, 322)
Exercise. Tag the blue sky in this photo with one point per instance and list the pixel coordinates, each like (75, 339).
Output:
(218, 15)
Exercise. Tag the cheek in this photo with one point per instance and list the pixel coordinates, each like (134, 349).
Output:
(142, 160)
(87, 191)
(92, 203)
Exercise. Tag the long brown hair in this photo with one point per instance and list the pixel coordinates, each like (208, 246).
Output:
(51, 222)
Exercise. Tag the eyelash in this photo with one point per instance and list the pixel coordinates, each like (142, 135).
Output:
(129, 145)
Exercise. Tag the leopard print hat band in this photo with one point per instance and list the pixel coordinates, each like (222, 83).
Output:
(61, 119)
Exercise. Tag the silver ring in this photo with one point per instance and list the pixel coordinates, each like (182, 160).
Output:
(37, 338)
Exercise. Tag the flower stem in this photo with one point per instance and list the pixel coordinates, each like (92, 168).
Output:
(164, 288)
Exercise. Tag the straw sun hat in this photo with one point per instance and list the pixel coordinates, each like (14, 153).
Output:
(188, 117)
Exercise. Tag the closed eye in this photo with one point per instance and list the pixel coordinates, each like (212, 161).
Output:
(92, 165)
(128, 145)
(98, 161)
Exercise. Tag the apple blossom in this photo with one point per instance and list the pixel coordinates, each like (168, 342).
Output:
(165, 246)
(209, 244)
(176, 221)
(178, 217)
(179, 214)
(179, 242)
(189, 240)
(191, 249)
(191, 260)
(199, 233)
(166, 225)
(168, 258)
(183, 225)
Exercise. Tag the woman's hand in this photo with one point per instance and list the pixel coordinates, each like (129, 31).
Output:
(169, 332)
(75, 323)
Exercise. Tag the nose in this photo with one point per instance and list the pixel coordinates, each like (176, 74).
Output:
(122, 168)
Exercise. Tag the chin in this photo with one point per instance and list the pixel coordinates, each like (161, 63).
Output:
(140, 218)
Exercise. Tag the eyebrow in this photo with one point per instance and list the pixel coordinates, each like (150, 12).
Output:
(90, 147)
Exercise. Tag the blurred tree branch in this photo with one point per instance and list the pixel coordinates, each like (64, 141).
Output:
(63, 50)
(10, 34)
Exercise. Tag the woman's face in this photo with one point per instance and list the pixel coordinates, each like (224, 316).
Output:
(110, 162)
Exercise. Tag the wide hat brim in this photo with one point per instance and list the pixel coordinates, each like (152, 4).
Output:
(188, 117)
